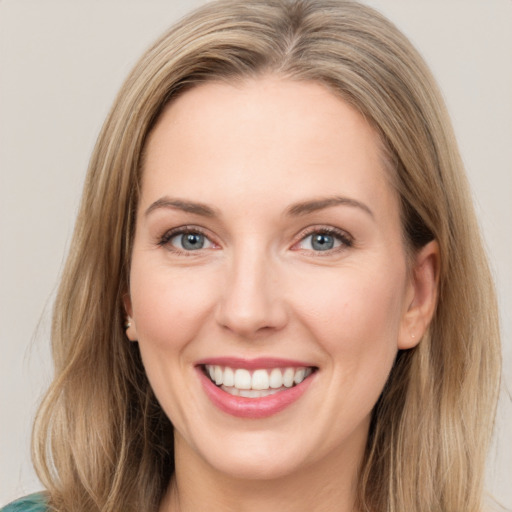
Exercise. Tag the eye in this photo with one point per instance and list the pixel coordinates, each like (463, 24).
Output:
(186, 240)
(189, 241)
(322, 240)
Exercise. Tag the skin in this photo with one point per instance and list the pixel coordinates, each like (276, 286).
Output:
(250, 152)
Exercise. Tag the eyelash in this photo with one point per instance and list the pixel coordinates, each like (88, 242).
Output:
(346, 241)
(183, 230)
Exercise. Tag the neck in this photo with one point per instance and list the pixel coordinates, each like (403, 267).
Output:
(329, 484)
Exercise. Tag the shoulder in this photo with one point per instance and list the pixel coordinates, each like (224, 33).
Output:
(33, 503)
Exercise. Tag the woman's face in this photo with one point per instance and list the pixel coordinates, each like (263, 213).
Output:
(268, 253)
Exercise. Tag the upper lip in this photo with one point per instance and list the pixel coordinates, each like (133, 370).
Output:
(254, 364)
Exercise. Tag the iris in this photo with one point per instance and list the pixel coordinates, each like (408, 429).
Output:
(192, 241)
(322, 242)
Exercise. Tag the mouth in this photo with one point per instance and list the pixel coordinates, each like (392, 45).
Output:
(254, 389)
(257, 383)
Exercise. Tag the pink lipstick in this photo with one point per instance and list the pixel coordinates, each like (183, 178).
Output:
(254, 388)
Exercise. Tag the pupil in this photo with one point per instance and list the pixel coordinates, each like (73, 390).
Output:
(322, 242)
(192, 241)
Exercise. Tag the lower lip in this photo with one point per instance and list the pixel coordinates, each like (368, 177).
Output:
(255, 408)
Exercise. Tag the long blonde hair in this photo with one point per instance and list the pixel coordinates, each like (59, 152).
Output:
(102, 442)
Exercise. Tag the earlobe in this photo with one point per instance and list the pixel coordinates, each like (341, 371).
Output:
(131, 330)
(424, 286)
(129, 325)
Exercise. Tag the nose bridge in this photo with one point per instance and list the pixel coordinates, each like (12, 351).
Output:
(250, 300)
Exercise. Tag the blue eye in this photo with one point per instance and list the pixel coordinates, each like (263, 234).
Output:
(190, 241)
(322, 241)
(186, 241)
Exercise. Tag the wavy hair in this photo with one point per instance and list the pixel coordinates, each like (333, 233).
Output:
(101, 441)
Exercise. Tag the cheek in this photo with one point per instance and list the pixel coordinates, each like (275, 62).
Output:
(357, 325)
(356, 316)
(169, 306)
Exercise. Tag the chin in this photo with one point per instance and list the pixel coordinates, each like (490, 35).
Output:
(253, 455)
(258, 468)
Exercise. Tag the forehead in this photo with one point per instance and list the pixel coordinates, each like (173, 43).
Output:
(261, 136)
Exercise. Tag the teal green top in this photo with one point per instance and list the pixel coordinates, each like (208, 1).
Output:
(33, 503)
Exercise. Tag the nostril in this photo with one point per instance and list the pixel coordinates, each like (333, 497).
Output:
(250, 302)
(251, 318)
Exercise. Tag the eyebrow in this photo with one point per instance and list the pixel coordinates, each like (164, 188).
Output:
(183, 205)
(303, 208)
(295, 210)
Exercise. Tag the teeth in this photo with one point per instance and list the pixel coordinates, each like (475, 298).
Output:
(288, 377)
(260, 379)
(299, 375)
(242, 379)
(250, 393)
(229, 377)
(218, 375)
(276, 378)
(259, 383)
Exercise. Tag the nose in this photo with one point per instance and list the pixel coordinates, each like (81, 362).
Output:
(251, 302)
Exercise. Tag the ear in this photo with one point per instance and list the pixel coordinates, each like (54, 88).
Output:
(131, 328)
(421, 297)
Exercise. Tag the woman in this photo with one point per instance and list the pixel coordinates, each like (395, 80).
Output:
(277, 296)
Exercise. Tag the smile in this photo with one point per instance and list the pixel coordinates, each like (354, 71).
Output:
(257, 383)
(254, 389)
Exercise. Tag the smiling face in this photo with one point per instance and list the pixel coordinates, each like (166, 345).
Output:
(268, 257)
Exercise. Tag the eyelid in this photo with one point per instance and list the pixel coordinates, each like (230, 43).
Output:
(347, 240)
(163, 240)
(343, 236)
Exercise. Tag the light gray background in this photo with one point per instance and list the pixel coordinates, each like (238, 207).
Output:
(61, 63)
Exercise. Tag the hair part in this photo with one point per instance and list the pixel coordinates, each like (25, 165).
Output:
(101, 440)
